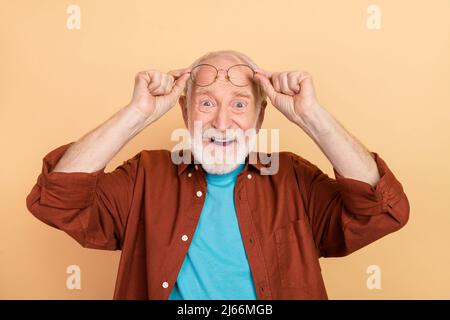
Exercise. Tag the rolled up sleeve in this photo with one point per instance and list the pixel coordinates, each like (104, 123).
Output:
(90, 207)
(346, 214)
(65, 190)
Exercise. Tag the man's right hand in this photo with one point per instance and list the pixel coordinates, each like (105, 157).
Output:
(155, 92)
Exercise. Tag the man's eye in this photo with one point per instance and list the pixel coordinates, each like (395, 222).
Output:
(240, 104)
(206, 103)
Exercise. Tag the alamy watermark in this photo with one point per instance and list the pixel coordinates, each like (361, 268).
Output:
(74, 19)
(73, 281)
(373, 21)
(374, 280)
(230, 147)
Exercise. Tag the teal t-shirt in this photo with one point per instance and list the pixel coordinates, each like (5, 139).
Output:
(216, 266)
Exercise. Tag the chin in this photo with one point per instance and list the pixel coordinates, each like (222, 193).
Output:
(219, 159)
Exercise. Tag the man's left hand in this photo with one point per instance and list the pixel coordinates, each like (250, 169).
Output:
(290, 92)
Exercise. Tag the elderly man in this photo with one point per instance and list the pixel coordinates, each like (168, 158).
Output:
(208, 228)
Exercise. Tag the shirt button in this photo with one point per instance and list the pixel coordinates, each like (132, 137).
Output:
(184, 237)
(165, 285)
(189, 174)
(249, 176)
(199, 193)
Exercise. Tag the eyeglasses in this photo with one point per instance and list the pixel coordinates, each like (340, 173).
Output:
(240, 75)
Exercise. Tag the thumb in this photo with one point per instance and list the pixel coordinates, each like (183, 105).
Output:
(266, 85)
(179, 86)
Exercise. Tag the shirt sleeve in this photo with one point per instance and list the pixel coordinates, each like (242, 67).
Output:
(90, 207)
(346, 214)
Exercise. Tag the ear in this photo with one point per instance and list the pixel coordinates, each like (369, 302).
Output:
(261, 115)
(183, 104)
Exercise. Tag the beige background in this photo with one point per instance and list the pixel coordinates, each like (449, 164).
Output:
(389, 87)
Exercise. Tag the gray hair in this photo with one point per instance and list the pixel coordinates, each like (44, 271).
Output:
(260, 94)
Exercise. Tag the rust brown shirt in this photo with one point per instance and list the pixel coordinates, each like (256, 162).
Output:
(287, 220)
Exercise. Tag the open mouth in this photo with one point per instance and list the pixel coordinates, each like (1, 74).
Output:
(221, 142)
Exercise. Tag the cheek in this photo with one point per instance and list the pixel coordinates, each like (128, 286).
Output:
(196, 116)
(246, 121)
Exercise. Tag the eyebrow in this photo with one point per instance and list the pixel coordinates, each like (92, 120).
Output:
(239, 93)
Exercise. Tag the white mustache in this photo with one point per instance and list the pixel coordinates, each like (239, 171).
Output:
(219, 136)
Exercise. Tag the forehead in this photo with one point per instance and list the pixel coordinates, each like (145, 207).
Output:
(222, 61)
(225, 61)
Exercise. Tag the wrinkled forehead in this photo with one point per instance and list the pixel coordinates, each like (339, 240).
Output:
(223, 61)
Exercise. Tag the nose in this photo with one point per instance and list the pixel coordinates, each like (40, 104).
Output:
(222, 119)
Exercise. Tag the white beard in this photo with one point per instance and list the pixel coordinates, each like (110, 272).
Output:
(216, 159)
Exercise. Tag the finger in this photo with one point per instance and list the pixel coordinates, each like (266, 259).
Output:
(165, 82)
(266, 73)
(155, 81)
(306, 83)
(178, 87)
(276, 82)
(266, 85)
(285, 85)
(179, 72)
(162, 85)
(170, 82)
(141, 80)
(293, 82)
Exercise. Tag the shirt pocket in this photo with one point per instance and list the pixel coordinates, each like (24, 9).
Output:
(297, 257)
